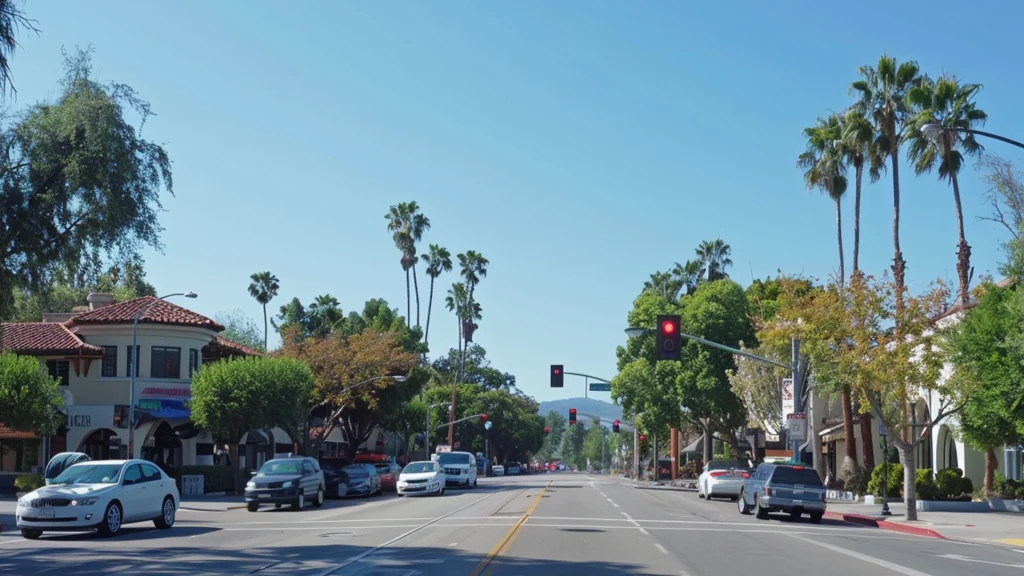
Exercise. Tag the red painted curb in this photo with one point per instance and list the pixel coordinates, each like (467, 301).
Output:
(891, 526)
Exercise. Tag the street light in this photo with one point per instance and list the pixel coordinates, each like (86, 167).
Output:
(133, 366)
(933, 131)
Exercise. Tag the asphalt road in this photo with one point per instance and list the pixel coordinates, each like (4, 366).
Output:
(530, 525)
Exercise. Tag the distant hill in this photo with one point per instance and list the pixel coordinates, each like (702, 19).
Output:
(584, 407)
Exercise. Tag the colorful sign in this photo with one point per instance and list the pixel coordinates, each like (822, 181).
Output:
(172, 392)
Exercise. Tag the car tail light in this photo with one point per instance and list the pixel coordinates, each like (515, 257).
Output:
(744, 475)
(798, 467)
(718, 473)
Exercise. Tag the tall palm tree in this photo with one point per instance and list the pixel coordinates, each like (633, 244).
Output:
(714, 256)
(418, 224)
(325, 315)
(455, 301)
(686, 276)
(11, 19)
(438, 260)
(948, 104)
(473, 269)
(398, 225)
(263, 288)
(661, 283)
(882, 96)
(824, 168)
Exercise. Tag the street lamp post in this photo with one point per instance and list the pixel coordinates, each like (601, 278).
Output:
(885, 469)
(134, 364)
(487, 443)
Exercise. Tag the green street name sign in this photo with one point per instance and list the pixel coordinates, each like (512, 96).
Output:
(600, 387)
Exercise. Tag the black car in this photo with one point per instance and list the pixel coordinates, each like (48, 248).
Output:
(335, 478)
(363, 479)
(280, 481)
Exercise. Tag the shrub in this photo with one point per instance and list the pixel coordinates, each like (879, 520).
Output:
(949, 483)
(925, 486)
(29, 482)
(894, 486)
(690, 470)
(1009, 489)
(858, 481)
(966, 487)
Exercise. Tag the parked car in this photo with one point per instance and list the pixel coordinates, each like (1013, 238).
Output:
(421, 478)
(498, 470)
(389, 472)
(363, 480)
(722, 479)
(335, 479)
(60, 463)
(513, 470)
(281, 481)
(789, 488)
(102, 495)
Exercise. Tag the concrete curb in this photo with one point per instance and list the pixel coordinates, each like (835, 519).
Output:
(870, 522)
(669, 488)
(237, 507)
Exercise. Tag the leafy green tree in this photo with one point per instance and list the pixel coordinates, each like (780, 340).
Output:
(241, 329)
(572, 446)
(986, 355)
(557, 423)
(77, 180)
(263, 288)
(596, 448)
(29, 397)
(949, 104)
(477, 369)
(231, 397)
(406, 421)
(71, 287)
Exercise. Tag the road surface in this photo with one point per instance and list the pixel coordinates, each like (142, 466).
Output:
(528, 525)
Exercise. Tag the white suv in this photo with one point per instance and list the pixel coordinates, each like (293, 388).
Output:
(459, 468)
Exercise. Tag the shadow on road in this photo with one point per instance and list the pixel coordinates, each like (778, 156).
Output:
(295, 560)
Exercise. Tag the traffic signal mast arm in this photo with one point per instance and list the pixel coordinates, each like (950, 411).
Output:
(445, 425)
(586, 376)
(735, 351)
(595, 416)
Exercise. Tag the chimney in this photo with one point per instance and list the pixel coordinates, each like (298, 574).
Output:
(98, 300)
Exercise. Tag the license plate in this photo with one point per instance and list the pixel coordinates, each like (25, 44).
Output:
(798, 491)
(46, 513)
(798, 502)
(263, 496)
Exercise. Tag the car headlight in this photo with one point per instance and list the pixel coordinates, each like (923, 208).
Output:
(84, 501)
(250, 484)
(288, 484)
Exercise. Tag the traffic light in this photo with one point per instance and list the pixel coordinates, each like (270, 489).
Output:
(547, 430)
(556, 376)
(483, 417)
(643, 438)
(615, 426)
(669, 340)
(572, 416)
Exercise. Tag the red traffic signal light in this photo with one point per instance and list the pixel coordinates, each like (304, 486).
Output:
(669, 339)
(643, 438)
(572, 416)
(615, 426)
(557, 376)
(547, 430)
(483, 417)
(668, 326)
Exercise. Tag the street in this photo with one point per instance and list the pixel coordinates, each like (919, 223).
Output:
(579, 524)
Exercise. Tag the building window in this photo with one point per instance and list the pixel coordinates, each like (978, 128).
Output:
(59, 369)
(165, 362)
(109, 362)
(128, 366)
(193, 361)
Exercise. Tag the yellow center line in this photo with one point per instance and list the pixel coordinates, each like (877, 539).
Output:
(503, 545)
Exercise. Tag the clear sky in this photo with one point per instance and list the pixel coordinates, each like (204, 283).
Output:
(580, 146)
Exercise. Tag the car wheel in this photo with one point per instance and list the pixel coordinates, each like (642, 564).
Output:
(700, 490)
(300, 500)
(252, 506)
(112, 519)
(319, 497)
(166, 518)
(759, 512)
(31, 534)
(742, 504)
(816, 517)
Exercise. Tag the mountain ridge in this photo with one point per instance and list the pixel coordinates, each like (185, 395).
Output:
(585, 407)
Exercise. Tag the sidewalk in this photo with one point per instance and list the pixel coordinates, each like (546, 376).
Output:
(212, 503)
(1003, 528)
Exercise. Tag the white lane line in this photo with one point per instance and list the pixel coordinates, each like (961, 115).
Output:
(661, 548)
(636, 524)
(967, 559)
(862, 557)
(406, 534)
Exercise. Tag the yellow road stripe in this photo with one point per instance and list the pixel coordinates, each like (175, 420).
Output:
(1012, 541)
(503, 545)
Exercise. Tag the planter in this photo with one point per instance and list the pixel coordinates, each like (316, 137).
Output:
(952, 506)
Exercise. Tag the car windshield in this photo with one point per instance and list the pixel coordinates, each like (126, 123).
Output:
(792, 475)
(449, 458)
(281, 468)
(383, 468)
(725, 464)
(90, 474)
(356, 470)
(419, 468)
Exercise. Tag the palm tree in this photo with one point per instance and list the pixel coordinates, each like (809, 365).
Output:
(824, 168)
(714, 257)
(687, 276)
(950, 105)
(882, 96)
(456, 302)
(661, 283)
(11, 18)
(325, 315)
(263, 288)
(437, 260)
(473, 269)
(417, 226)
(407, 226)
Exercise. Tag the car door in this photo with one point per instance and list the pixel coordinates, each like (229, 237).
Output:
(133, 494)
(310, 482)
(156, 489)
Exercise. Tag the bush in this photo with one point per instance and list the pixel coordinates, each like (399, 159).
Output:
(215, 478)
(689, 470)
(894, 486)
(966, 487)
(949, 483)
(1008, 489)
(858, 481)
(924, 485)
(29, 482)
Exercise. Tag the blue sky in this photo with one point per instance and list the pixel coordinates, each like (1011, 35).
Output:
(580, 146)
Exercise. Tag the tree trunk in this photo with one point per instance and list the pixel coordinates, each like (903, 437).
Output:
(708, 447)
(963, 252)
(899, 266)
(408, 301)
(991, 464)
(909, 478)
(850, 458)
(856, 217)
(867, 446)
(430, 308)
(265, 334)
(416, 285)
(839, 239)
(235, 464)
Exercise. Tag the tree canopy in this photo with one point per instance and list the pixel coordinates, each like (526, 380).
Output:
(29, 397)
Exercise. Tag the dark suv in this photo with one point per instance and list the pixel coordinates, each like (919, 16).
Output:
(789, 488)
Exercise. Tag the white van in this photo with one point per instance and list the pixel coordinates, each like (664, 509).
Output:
(459, 468)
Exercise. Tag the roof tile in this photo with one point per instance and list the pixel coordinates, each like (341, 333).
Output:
(222, 347)
(158, 312)
(40, 338)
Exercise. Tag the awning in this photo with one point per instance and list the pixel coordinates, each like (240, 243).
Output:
(163, 409)
(695, 446)
(830, 434)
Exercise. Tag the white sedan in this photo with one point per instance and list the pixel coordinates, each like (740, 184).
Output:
(100, 495)
(421, 478)
(722, 479)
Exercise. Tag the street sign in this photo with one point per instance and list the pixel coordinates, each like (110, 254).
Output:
(881, 429)
(600, 387)
(797, 422)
